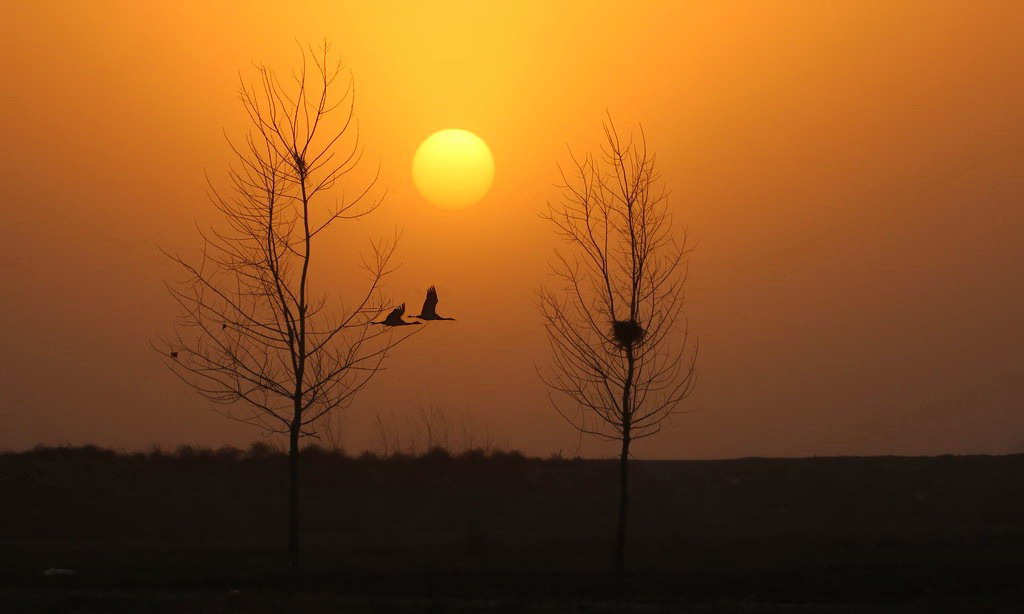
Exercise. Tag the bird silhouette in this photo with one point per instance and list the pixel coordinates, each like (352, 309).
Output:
(429, 311)
(395, 318)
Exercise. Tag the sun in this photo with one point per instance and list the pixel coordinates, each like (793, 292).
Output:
(453, 169)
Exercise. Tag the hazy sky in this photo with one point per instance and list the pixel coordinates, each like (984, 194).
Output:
(852, 174)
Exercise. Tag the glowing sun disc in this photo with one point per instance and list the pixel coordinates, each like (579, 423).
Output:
(453, 169)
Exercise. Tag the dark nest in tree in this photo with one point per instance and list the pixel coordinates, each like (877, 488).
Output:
(627, 333)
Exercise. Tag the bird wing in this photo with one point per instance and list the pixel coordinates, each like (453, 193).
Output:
(430, 303)
(396, 314)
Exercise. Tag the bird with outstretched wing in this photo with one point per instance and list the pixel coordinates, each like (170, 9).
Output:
(395, 317)
(429, 311)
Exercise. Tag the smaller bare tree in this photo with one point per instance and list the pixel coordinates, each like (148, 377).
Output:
(332, 431)
(619, 341)
(429, 427)
(389, 435)
(432, 427)
(476, 435)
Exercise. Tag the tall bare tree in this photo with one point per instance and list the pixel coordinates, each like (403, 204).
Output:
(621, 357)
(257, 327)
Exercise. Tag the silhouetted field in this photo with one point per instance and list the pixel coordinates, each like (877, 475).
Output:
(162, 532)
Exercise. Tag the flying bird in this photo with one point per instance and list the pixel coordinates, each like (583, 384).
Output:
(429, 311)
(395, 318)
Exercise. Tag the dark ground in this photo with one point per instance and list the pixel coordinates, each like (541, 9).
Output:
(204, 531)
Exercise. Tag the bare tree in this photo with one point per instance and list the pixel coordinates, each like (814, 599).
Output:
(432, 427)
(389, 435)
(621, 357)
(471, 435)
(255, 328)
(331, 430)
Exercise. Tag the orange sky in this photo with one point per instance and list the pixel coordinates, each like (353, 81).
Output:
(852, 174)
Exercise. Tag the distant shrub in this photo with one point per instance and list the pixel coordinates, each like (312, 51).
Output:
(95, 452)
(187, 452)
(227, 454)
(44, 451)
(265, 450)
(317, 451)
(437, 453)
(260, 450)
(508, 455)
(66, 451)
(473, 454)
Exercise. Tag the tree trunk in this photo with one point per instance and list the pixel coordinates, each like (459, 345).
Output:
(293, 497)
(627, 423)
(620, 535)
